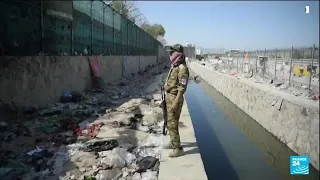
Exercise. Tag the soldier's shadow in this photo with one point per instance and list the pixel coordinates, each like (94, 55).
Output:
(194, 148)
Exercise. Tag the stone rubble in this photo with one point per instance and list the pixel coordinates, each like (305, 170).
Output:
(297, 87)
(111, 135)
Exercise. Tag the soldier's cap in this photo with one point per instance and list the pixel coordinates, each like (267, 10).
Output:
(176, 47)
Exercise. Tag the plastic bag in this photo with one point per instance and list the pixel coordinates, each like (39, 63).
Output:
(128, 157)
(117, 158)
(144, 152)
(113, 160)
(152, 141)
(148, 163)
(136, 176)
(140, 127)
(149, 175)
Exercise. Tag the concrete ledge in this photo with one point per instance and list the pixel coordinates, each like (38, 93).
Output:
(189, 166)
(294, 121)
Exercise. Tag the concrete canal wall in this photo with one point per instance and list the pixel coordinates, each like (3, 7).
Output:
(293, 120)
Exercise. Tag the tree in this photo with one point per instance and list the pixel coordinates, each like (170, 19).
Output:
(127, 9)
(154, 30)
(162, 40)
(130, 11)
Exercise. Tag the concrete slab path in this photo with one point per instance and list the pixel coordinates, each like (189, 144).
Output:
(189, 166)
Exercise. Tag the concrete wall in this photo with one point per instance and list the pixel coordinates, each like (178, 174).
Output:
(39, 80)
(130, 64)
(162, 55)
(293, 120)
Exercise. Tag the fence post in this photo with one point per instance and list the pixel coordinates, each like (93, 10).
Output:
(113, 45)
(264, 63)
(103, 30)
(290, 65)
(237, 64)
(249, 65)
(313, 49)
(41, 27)
(243, 54)
(72, 50)
(128, 22)
(275, 65)
(256, 69)
(91, 49)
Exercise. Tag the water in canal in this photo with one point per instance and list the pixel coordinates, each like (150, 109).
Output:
(232, 145)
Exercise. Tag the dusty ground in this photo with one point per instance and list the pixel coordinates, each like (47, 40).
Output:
(110, 135)
(298, 86)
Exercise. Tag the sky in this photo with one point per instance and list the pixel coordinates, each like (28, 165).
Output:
(246, 25)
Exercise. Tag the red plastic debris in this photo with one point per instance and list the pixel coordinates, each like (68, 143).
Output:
(315, 98)
(232, 73)
(91, 130)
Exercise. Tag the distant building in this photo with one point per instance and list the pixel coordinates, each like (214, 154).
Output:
(233, 51)
(198, 51)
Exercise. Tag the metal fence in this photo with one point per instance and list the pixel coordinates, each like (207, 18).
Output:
(70, 28)
(295, 66)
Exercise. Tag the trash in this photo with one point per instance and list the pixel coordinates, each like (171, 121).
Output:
(149, 119)
(140, 127)
(68, 97)
(128, 157)
(147, 151)
(61, 156)
(315, 98)
(278, 84)
(109, 174)
(126, 146)
(51, 128)
(89, 178)
(122, 153)
(91, 130)
(103, 145)
(36, 150)
(3, 124)
(232, 73)
(136, 176)
(147, 112)
(83, 124)
(149, 175)
(50, 149)
(304, 87)
(12, 170)
(50, 112)
(153, 141)
(113, 160)
(148, 162)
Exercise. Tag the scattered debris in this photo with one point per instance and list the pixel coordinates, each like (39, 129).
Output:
(83, 136)
(232, 73)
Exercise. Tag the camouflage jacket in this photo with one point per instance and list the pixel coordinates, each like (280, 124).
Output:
(177, 79)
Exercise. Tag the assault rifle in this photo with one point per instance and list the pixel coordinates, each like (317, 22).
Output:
(164, 110)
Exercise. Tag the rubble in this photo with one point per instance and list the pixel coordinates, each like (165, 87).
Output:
(298, 85)
(114, 134)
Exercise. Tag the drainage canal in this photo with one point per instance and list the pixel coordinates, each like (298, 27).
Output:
(232, 145)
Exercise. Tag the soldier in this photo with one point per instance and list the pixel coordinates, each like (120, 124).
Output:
(175, 86)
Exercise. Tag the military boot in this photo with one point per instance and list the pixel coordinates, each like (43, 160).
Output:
(168, 146)
(176, 153)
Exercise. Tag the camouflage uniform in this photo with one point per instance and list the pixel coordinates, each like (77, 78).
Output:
(177, 80)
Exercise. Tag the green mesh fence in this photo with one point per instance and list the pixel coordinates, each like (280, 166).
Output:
(70, 28)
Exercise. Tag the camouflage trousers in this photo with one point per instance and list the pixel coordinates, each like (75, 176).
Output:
(173, 120)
